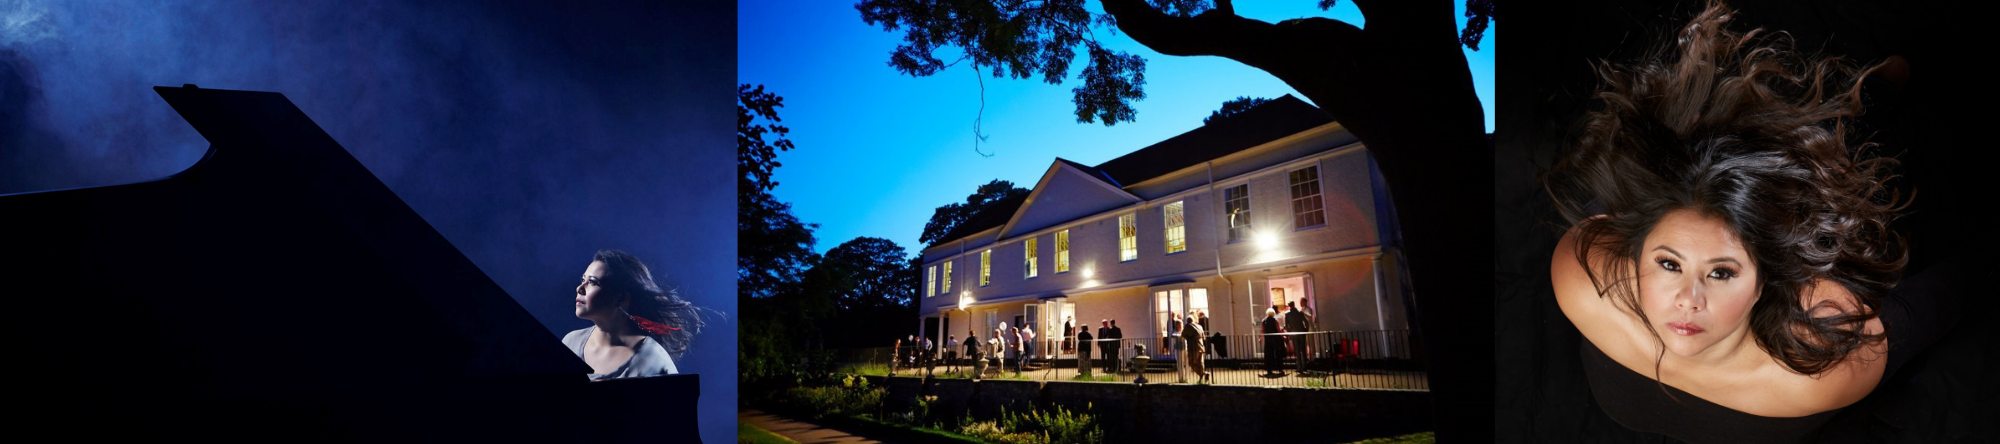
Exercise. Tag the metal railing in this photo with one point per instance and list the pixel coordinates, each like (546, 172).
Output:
(1374, 359)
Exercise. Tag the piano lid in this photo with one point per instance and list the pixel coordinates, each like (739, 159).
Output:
(277, 267)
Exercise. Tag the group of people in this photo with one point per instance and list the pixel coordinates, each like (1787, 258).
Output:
(1280, 347)
(1186, 336)
(913, 352)
(1187, 339)
(1011, 347)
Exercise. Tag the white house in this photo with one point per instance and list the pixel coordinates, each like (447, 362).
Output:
(1278, 203)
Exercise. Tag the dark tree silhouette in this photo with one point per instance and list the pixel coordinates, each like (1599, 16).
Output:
(952, 215)
(869, 281)
(772, 245)
(875, 267)
(1233, 106)
(757, 158)
(1401, 85)
(773, 249)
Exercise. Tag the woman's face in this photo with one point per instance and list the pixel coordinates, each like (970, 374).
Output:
(592, 300)
(1696, 283)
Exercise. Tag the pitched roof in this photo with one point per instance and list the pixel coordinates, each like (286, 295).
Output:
(1278, 118)
(1270, 121)
(993, 215)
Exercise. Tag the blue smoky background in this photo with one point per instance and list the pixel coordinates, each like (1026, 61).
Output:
(530, 134)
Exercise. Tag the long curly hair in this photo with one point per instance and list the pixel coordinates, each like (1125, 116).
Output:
(626, 275)
(1739, 127)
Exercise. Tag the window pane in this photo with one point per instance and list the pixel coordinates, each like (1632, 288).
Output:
(1063, 251)
(1307, 208)
(1176, 228)
(1030, 255)
(1128, 237)
(1236, 204)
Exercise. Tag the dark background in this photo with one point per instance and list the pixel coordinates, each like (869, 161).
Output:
(529, 134)
(1938, 126)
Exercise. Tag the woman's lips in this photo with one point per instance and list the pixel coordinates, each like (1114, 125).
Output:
(1684, 328)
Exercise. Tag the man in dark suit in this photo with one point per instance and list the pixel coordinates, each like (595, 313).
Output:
(1083, 363)
(1295, 322)
(1104, 348)
(1118, 334)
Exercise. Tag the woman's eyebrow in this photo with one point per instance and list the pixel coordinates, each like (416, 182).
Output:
(1671, 251)
(1725, 259)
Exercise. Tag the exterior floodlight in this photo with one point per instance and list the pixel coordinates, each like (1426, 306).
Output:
(1267, 241)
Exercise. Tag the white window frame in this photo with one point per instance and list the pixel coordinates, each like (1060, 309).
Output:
(1028, 260)
(1306, 207)
(1128, 237)
(1062, 251)
(986, 267)
(1236, 208)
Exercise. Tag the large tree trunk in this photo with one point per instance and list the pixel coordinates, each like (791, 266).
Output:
(1403, 87)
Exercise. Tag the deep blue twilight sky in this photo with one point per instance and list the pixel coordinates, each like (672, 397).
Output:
(530, 135)
(878, 151)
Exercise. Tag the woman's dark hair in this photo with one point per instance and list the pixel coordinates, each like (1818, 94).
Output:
(1738, 127)
(625, 275)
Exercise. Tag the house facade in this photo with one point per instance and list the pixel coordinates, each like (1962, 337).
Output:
(1276, 204)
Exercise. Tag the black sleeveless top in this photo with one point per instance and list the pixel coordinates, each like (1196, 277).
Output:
(1638, 403)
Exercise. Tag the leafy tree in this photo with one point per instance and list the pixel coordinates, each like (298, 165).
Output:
(1237, 105)
(874, 267)
(1401, 85)
(867, 283)
(772, 245)
(773, 249)
(1029, 39)
(757, 158)
(952, 215)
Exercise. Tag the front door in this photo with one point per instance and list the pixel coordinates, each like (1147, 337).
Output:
(1031, 320)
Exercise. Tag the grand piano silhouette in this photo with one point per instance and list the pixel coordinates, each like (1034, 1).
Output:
(278, 291)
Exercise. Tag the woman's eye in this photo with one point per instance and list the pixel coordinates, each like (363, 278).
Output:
(1721, 274)
(1670, 265)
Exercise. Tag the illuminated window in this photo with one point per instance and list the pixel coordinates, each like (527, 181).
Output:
(985, 268)
(1176, 228)
(1236, 204)
(1030, 247)
(1062, 251)
(930, 281)
(1306, 206)
(946, 277)
(1128, 237)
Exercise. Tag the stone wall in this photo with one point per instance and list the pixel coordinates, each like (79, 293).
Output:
(1186, 413)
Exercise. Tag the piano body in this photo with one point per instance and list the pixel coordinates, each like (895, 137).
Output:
(278, 291)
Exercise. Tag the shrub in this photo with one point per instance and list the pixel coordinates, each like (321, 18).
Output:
(1059, 425)
(821, 402)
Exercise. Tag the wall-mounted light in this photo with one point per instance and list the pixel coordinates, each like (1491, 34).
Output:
(964, 300)
(1267, 241)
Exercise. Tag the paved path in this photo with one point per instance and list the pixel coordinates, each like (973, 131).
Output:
(803, 432)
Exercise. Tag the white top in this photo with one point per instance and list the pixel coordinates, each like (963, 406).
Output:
(649, 359)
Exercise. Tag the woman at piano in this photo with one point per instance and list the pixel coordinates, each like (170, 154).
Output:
(639, 328)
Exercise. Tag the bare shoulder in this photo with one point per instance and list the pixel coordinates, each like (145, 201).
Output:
(1848, 381)
(1597, 317)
